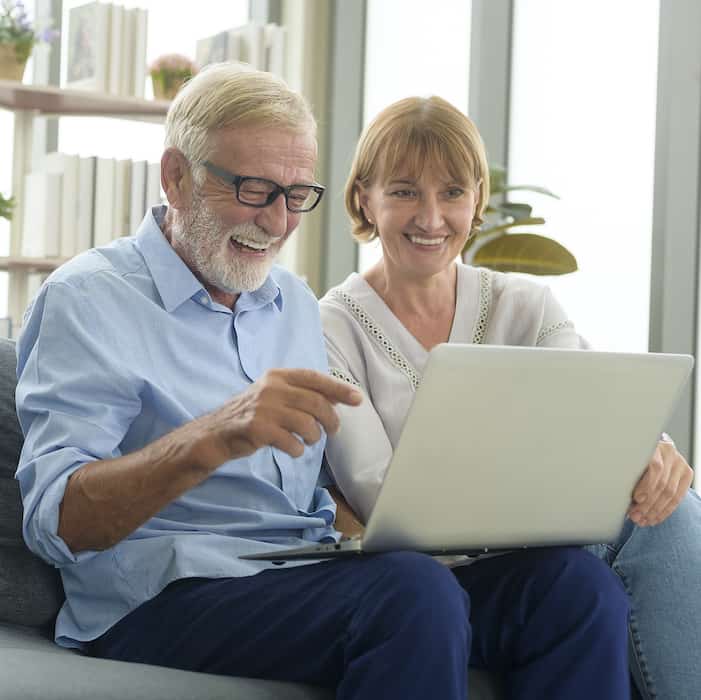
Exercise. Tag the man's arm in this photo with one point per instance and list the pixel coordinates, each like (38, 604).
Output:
(106, 500)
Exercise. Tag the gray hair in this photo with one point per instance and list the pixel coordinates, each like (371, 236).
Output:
(226, 95)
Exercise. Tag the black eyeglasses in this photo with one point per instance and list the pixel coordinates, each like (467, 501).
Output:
(259, 192)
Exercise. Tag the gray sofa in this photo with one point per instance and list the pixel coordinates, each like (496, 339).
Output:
(32, 667)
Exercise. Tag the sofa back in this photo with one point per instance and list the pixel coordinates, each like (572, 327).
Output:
(30, 590)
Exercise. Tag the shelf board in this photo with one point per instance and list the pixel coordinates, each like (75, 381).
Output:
(49, 100)
(15, 262)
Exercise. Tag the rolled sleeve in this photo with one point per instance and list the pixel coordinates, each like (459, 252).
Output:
(75, 403)
(40, 528)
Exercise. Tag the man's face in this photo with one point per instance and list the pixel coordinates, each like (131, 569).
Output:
(231, 246)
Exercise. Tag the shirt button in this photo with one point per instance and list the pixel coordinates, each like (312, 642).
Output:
(204, 299)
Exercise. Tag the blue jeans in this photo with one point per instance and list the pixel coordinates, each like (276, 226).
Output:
(397, 626)
(660, 567)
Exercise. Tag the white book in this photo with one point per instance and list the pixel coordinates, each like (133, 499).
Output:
(153, 185)
(139, 21)
(34, 282)
(42, 215)
(68, 166)
(126, 76)
(275, 37)
(122, 195)
(137, 204)
(213, 49)
(88, 55)
(86, 204)
(251, 44)
(103, 230)
(233, 45)
(117, 59)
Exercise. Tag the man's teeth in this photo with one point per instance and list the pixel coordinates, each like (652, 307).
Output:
(427, 241)
(256, 245)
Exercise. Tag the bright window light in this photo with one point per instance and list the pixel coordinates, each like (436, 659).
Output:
(414, 51)
(583, 103)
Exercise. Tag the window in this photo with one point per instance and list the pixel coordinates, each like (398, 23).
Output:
(414, 51)
(583, 104)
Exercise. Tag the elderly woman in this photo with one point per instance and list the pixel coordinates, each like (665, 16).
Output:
(419, 183)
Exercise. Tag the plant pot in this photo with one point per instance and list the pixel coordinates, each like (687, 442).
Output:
(166, 86)
(11, 67)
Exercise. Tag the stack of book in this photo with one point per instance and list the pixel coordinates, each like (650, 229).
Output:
(107, 49)
(74, 203)
(261, 46)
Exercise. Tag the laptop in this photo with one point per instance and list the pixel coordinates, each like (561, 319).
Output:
(511, 447)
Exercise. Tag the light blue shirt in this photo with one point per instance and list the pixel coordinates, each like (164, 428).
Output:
(121, 346)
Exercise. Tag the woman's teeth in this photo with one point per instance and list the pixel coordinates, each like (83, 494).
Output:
(427, 241)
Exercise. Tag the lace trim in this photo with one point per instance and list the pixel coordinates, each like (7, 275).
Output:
(554, 328)
(484, 306)
(373, 329)
(343, 376)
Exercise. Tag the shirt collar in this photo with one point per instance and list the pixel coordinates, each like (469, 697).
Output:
(175, 281)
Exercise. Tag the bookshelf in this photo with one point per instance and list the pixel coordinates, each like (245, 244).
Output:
(27, 102)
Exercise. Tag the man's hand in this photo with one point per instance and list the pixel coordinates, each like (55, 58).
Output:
(106, 500)
(283, 406)
(662, 486)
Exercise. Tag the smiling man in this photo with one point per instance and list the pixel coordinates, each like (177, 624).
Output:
(174, 396)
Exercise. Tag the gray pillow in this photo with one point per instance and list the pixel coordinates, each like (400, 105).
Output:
(30, 590)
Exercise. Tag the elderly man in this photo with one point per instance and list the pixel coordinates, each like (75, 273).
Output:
(174, 395)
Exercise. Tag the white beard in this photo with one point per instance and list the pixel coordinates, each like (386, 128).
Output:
(204, 242)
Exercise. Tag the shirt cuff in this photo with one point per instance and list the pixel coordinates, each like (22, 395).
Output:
(41, 531)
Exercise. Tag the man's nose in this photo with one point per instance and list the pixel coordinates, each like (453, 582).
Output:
(273, 218)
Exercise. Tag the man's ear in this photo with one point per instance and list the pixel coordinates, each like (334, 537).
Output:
(176, 178)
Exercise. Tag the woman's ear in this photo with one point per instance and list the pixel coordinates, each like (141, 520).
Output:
(176, 178)
(363, 201)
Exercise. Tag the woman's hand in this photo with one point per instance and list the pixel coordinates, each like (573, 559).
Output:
(347, 522)
(662, 486)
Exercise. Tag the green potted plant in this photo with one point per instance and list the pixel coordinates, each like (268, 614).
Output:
(6, 207)
(17, 39)
(169, 73)
(495, 245)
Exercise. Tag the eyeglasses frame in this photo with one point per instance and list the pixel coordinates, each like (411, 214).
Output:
(235, 181)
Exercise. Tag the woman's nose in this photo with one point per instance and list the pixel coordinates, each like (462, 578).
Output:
(429, 214)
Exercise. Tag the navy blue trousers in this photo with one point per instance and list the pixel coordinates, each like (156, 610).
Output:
(397, 626)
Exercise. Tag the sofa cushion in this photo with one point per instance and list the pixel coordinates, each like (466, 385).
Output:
(40, 669)
(30, 590)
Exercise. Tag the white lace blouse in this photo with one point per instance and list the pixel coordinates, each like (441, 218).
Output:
(368, 346)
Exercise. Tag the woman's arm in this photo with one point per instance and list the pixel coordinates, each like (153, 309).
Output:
(359, 453)
(347, 522)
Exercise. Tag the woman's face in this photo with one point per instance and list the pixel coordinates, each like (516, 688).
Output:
(422, 223)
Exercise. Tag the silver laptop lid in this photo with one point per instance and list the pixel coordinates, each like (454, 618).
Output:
(510, 446)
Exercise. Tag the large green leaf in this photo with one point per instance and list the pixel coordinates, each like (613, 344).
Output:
(514, 209)
(6, 207)
(525, 252)
(529, 221)
(530, 188)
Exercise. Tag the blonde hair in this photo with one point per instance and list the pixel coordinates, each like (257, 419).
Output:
(407, 135)
(227, 95)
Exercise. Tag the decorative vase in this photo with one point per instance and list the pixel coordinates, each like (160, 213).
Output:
(166, 84)
(11, 66)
